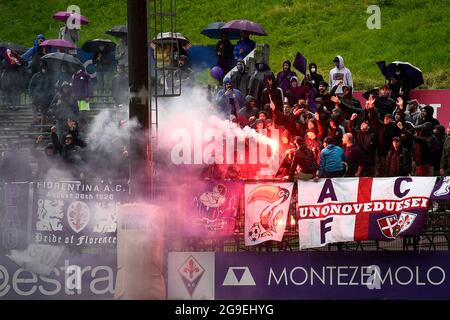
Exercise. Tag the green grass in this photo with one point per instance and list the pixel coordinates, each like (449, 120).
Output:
(411, 30)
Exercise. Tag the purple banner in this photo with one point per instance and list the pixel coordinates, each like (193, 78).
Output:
(332, 275)
(211, 208)
(83, 276)
(441, 191)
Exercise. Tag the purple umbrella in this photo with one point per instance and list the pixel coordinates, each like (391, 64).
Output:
(58, 43)
(64, 15)
(245, 25)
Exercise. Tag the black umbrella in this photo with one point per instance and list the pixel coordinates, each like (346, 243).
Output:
(214, 31)
(13, 46)
(60, 57)
(410, 73)
(99, 45)
(118, 31)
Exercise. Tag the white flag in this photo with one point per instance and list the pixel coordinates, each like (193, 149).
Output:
(266, 211)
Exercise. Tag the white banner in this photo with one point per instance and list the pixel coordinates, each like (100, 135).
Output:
(266, 211)
(358, 209)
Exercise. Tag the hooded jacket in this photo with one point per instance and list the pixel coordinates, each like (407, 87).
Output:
(241, 80)
(229, 104)
(256, 85)
(296, 93)
(284, 77)
(246, 112)
(314, 77)
(340, 73)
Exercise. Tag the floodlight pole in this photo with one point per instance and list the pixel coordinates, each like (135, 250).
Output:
(139, 103)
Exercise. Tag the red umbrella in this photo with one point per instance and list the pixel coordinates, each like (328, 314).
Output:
(58, 43)
(64, 15)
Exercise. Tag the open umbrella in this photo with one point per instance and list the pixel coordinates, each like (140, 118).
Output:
(58, 43)
(214, 31)
(64, 15)
(13, 46)
(245, 25)
(171, 37)
(409, 72)
(118, 31)
(60, 57)
(99, 45)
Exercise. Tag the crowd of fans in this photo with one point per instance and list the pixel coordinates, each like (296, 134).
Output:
(326, 132)
(60, 94)
(323, 130)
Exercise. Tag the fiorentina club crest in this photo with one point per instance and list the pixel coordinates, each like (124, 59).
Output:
(391, 226)
(78, 215)
(191, 272)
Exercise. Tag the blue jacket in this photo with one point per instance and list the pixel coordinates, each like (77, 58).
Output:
(28, 55)
(229, 104)
(246, 44)
(331, 159)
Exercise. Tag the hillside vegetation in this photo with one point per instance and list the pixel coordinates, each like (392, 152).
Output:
(411, 30)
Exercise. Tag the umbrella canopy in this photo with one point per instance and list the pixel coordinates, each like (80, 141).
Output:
(171, 37)
(245, 25)
(60, 57)
(99, 45)
(13, 46)
(214, 31)
(409, 72)
(64, 15)
(118, 31)
(58, 43)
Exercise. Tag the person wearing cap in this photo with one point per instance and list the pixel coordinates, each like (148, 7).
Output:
(331, 160)
(241, 78)
(340, 73)
(229, 100)
(303, 158)
(398, 160)
(412, 113)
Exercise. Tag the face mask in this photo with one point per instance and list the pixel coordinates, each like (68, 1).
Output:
(313, 70)
(397, 72)
(44, 70)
